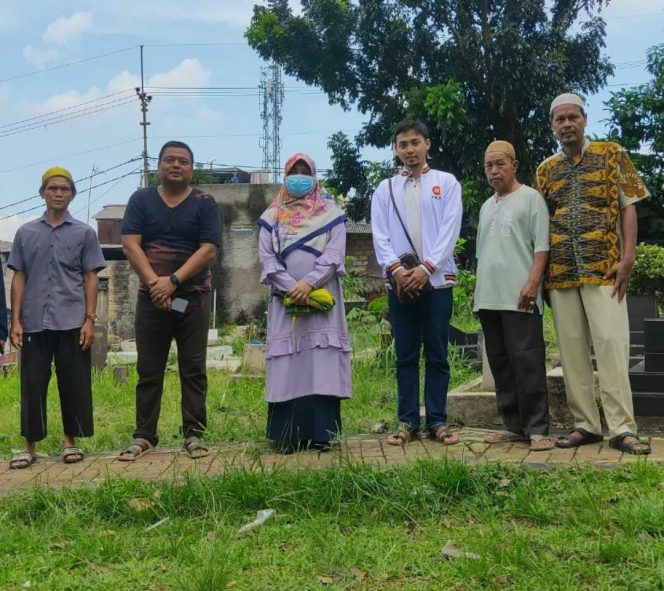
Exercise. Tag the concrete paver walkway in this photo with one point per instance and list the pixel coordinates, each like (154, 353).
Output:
(174, 465)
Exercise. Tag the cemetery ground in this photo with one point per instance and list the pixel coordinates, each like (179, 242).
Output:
(421, 521)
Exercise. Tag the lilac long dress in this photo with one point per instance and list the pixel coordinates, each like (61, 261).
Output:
(308, 360)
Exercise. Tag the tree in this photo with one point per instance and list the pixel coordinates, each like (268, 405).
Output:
(475, 70)
(351, 173)
(637, 122)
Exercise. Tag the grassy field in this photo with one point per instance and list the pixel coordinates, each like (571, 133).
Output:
(352, 528)
(236, 409)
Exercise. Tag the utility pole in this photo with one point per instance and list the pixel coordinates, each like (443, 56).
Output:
(145, 101)
(92, 174)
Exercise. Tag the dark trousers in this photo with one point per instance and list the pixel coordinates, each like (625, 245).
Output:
(425, 322)
(73, 371)
(515, 348)
(155, 329)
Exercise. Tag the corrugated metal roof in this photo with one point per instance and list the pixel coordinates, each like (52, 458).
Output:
(111, 212)
(358, 227)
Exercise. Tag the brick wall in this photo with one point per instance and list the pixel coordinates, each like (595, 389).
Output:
(360, 247)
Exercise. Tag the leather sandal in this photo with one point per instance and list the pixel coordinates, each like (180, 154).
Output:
(578, 437)
(403, 436)
(443, 435)
(137, 448)
(635, 447)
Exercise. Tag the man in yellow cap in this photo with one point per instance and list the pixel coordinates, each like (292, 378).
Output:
(512, 250)
(55, 260)
(591, 189)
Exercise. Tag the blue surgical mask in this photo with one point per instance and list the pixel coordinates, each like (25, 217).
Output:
(299, 185)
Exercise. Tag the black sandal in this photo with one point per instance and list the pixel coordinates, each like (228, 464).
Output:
(635, 447)
(583, 438)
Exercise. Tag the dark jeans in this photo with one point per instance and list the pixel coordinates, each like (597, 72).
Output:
(514, 345)
(72, 368)
(155, 329)
(425, 322)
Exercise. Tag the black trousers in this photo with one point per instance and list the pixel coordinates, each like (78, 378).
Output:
(514, 344)
(155, 329)
(73, 371)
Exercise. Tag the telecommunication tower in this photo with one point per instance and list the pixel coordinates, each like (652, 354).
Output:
(271, 100)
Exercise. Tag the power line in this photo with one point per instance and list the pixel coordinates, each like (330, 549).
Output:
(117, 182)
(85, 178)
(93, 187)
(76, 106)
(74, 63)
(57, 158)
(76, 115)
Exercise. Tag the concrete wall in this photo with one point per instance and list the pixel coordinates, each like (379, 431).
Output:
(360, 247)
(236, 272)
(116, 305)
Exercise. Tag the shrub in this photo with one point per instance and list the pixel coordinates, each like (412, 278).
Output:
(648, 272)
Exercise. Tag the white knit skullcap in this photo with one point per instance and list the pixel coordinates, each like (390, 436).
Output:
(567, 98)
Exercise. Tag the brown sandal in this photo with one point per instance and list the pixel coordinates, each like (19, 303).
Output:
(543, 444)
(444, 436)
(137, 448)
(403, 436)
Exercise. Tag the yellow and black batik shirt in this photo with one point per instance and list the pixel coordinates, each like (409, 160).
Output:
(585, 195)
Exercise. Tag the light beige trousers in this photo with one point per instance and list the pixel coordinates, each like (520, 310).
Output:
(589, 314)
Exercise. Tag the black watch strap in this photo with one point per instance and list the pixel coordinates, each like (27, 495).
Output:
(174, 279)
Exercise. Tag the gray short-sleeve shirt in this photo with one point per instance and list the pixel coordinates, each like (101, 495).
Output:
(54, 261)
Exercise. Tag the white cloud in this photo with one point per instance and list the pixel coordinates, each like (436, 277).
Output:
(63, 30)
(123, 81)
(65, 100)
(39, 58)
(189, 72)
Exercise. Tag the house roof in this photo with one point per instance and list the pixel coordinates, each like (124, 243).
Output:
(5, 246)
(111, 212)
(358, 227)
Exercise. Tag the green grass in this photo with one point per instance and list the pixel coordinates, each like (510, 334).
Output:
(236, 408)
(354, 527)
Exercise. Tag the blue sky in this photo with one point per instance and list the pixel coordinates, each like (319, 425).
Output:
(41, 37)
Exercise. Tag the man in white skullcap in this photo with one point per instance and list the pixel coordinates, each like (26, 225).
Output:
(590, 188)
(512, 250)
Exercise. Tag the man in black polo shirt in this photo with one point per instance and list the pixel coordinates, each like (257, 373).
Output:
(169, 235)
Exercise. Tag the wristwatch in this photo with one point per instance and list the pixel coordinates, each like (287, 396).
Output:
(92, 317)
(174, 279)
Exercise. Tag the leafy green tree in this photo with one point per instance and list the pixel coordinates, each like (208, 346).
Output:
(351, 174)
(637, 122)
(475, 70)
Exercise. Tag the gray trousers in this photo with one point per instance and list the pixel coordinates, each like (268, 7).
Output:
(514, 344)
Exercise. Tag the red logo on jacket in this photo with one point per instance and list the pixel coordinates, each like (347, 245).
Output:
(436, 191)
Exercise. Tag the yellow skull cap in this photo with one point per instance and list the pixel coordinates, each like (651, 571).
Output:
(56, 171)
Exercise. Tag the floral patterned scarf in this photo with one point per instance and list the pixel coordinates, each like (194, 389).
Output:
(301, 222)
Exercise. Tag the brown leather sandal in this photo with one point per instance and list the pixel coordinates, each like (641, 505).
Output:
(443, 435)
(403, 436)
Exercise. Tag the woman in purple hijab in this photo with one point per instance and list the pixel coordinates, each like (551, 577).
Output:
(302, 245)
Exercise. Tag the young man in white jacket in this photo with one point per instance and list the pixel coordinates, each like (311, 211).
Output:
(418, 212)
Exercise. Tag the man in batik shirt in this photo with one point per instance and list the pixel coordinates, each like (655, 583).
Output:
(590, 189)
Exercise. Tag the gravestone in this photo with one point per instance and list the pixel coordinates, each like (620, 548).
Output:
(639, 308)
(647, 376)
(100, 347)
